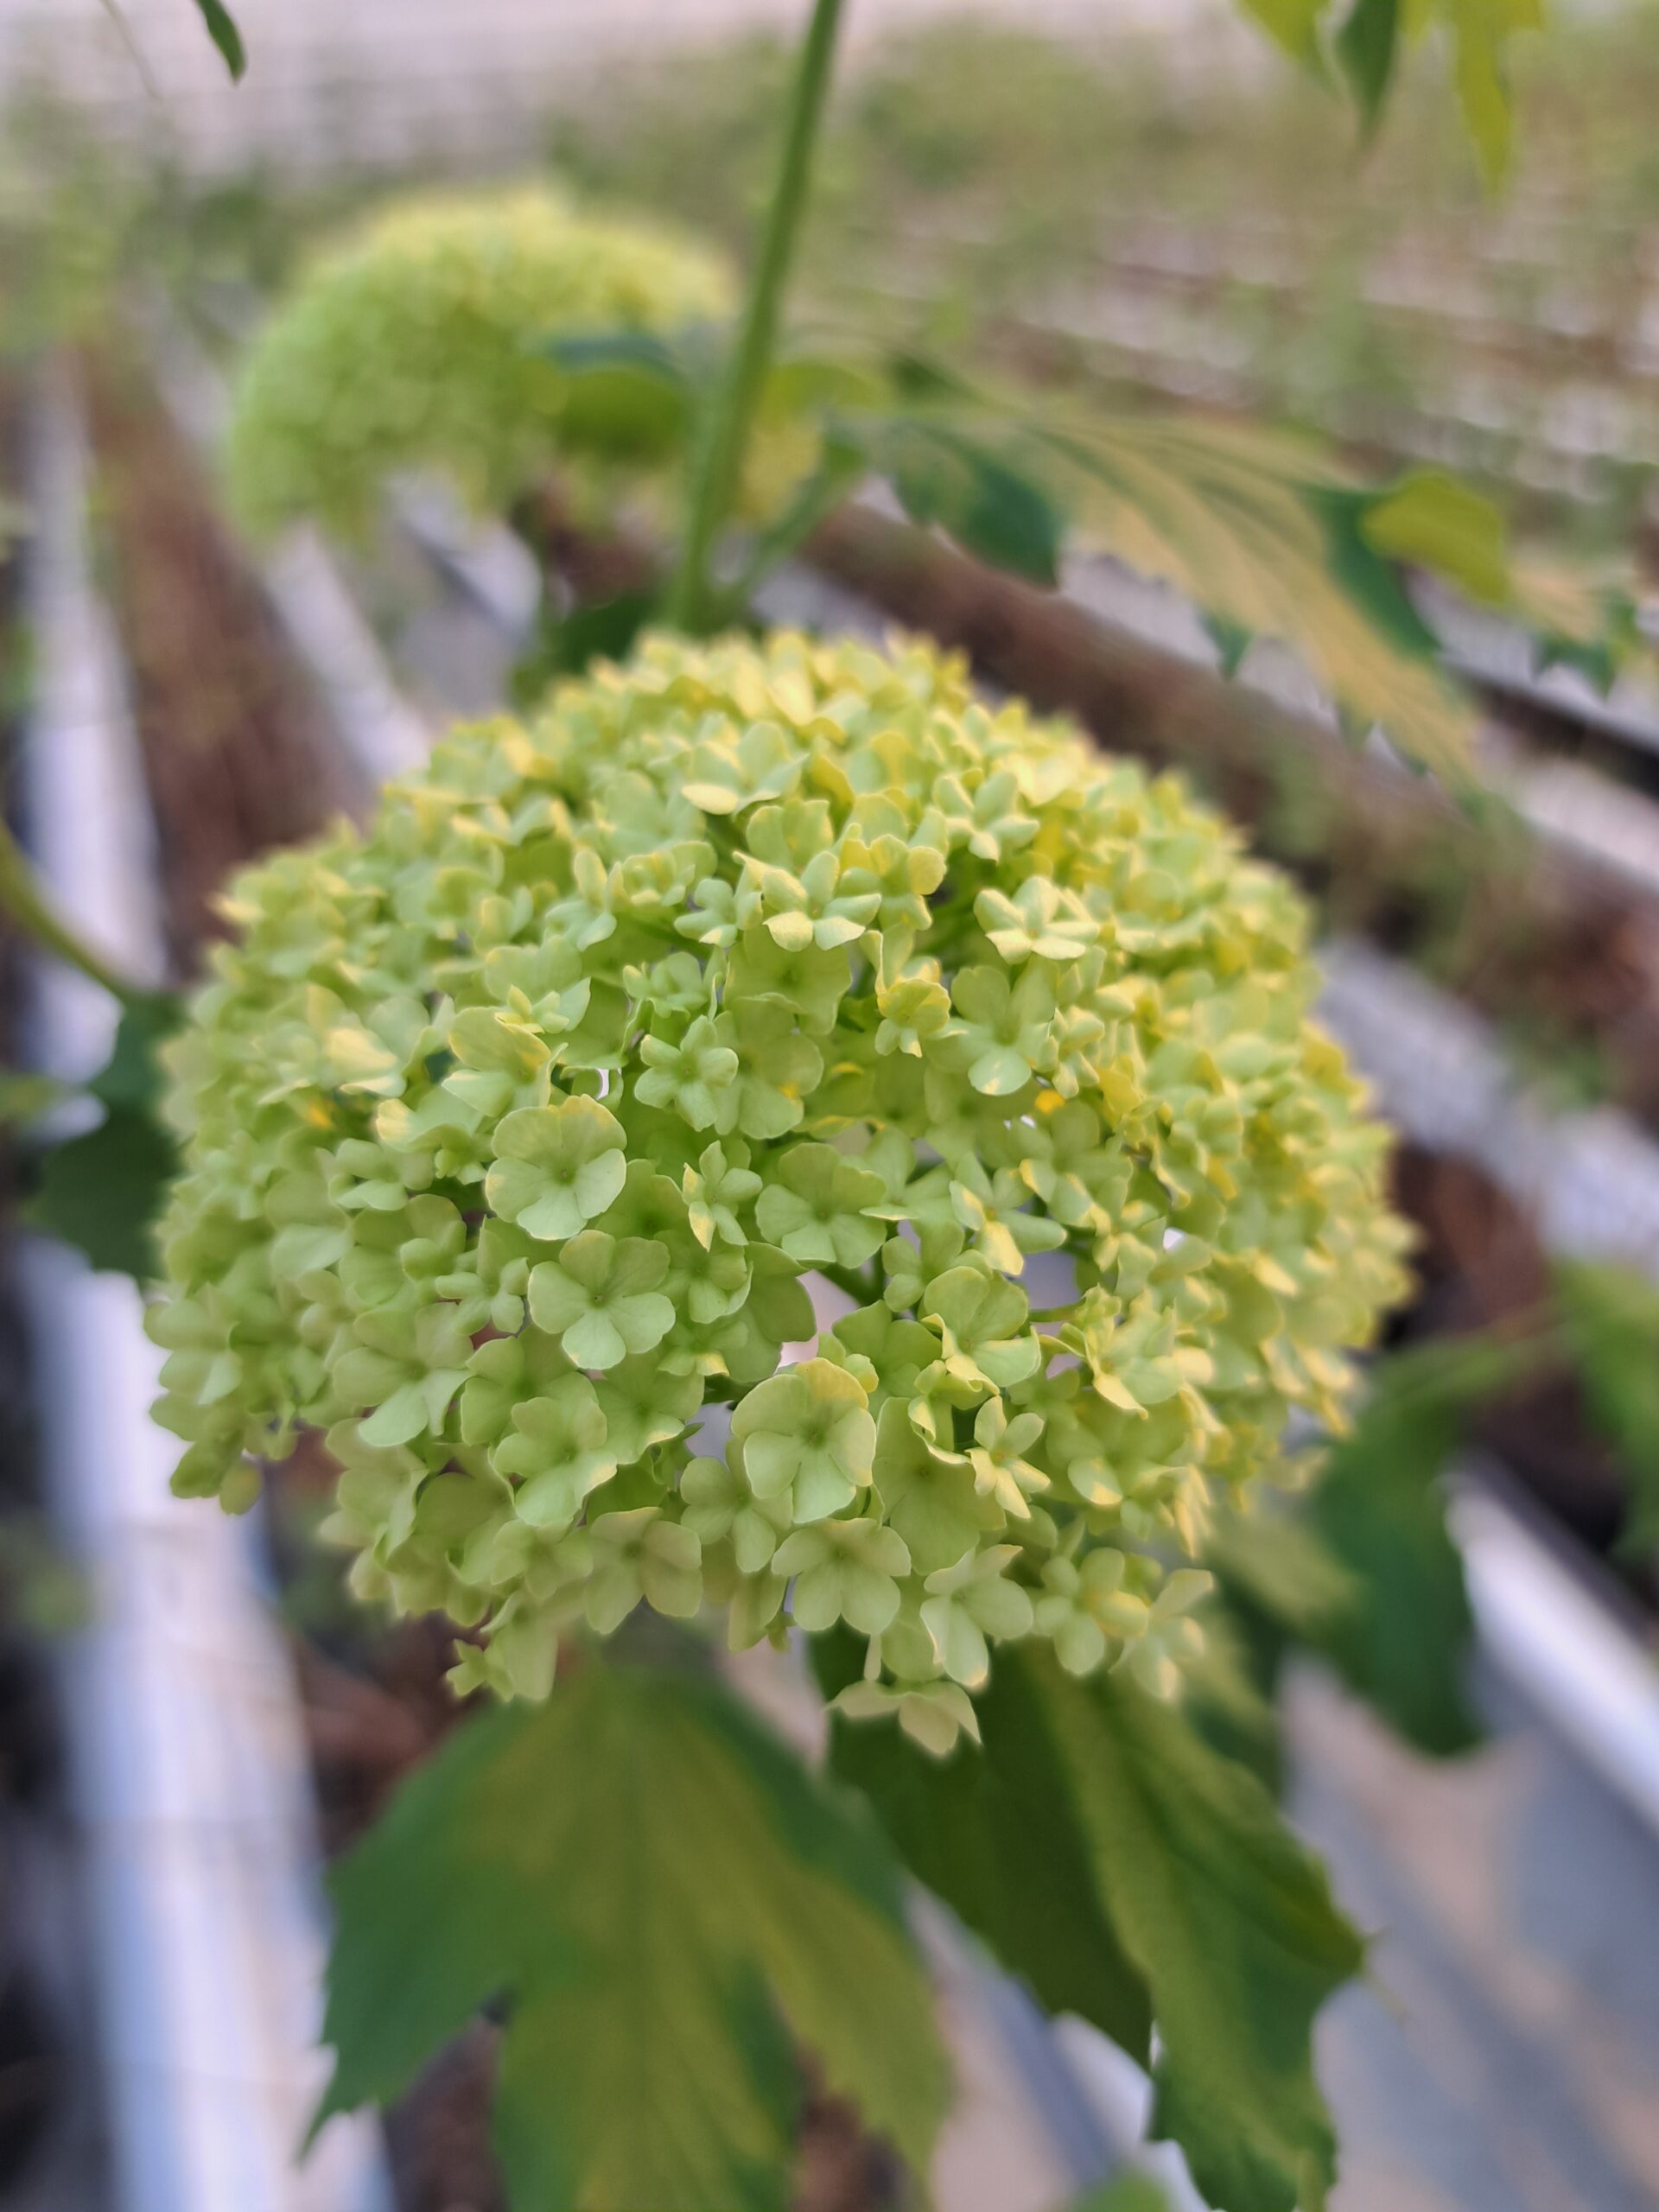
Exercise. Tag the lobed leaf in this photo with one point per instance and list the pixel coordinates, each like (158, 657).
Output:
(1096, 1812)
(674, 1908)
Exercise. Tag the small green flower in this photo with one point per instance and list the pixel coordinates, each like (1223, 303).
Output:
(929, 1500)
(815, 1208)
(557, 1168)
(1086, 1605)
(993, 1209)
(716, 1190)
(981, 1318)
(915, 1009)
(600, 1298)
(645, 1403)
(558, 1453)
(1001, 1031)
(408, 1367)
(1041, 922)
(807, 1433)
(809, 980)
(639, 1554)
(936, 1715)
(844, 1571)
(690, 1077)
(1172, 1639)
(968, 1602)
(720, 1503)
(997, 1457)
(501, 1375)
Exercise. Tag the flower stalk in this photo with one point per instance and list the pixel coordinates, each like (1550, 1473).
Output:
(719, 464)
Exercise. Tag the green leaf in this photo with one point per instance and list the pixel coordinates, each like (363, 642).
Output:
(1402, 1642)
(221, 29)
(1367, 48)
(1610, 1317)
(1482, 30)
(951, 477)
(627, 391)
(998, 1838)
(1293, 23)
(1264, 534)
(1154, 1851)
(1128, 2193)
(1429, 520)
(674, 1907)
(103, 1191)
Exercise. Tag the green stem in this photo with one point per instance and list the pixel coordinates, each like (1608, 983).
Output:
(24, 902)
(720, 460)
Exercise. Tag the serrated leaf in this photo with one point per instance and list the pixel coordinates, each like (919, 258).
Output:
(999, 1840)
(1367, 48)
(673, 1907)
(1610, 1318)
(221, 29)
(1182, 1856)
(1261, 534)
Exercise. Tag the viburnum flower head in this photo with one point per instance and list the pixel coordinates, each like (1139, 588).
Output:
(772, 1133)
(418, 340)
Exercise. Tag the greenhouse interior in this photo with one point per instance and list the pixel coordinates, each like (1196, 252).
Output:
(829, 1106)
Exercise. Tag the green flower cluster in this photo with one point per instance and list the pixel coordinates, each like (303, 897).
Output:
(412, 344)
(516, 1130)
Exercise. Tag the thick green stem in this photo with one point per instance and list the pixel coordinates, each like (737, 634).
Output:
(24, 902)
(719, 459)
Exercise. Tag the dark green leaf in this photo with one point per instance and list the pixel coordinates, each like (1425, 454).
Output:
(1379, 1510)
(1159, 1851)
(103, 1191)
(1368, 47)
(999, 1838)
(646, 353)
(950, 477)
(627, 392)
(1370, 581)
(132, 1075)
(673, 1908)
(1611, 1318)
(221, 29)
(1128, 2193)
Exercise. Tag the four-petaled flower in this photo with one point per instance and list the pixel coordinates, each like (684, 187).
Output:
(690, 1076)
(1001, 1031)
(559, 1452)
(557, 1167)
(968, 1602)
(981, 1318)
(844, 1571)
(600, 1298)
(809, 1432)
(815, 1209)
(997, 1457)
